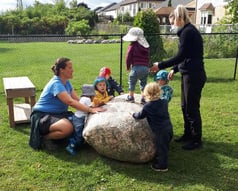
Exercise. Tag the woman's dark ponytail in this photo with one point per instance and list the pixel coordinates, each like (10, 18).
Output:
(60, 63)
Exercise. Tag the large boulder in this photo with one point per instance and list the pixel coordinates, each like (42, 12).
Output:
(116, 134)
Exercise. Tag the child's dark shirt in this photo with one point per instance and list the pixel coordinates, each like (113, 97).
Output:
(113, 86)
(156, 113)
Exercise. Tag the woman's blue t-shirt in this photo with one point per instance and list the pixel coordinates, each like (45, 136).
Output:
(48, 101)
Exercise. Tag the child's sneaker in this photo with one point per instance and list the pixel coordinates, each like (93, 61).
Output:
(158, 168)
(71, 149)
(130, 99)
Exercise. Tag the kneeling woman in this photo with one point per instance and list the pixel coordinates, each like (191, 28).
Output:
(50, 118)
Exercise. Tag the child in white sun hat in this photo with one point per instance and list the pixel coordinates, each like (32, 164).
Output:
(137, 61)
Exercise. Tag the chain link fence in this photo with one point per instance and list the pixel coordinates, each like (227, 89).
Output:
(216, 45)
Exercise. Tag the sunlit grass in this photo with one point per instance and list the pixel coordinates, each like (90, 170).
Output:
(215, 167)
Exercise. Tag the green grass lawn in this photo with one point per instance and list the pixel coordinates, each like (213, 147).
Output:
(215, 167)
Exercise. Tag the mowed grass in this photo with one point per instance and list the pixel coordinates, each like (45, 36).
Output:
(215, 167)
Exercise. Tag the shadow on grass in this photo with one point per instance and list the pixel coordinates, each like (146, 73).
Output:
(204, 167)
(217, 80)
(23, 128)
(200, 167)
(4, 50)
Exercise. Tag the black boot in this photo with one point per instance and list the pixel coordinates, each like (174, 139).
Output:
(195, 141)
(192, 145)
(183, 138)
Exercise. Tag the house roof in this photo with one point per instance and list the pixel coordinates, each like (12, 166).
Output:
(107, 7)
(114, 7)
(174, 3)
(164, 10)
(191, 4)
(125, 2)
(99, 9)
(207, 7)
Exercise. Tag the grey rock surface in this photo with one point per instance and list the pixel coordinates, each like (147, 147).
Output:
(116, 134)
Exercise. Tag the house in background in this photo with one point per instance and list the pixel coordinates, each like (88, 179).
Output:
(210, 12)
(163, 11)
(104, 15)
(163, 14)
(159, 6)
(201, 12)
(113, 10)
(104, 10)
(133, 6)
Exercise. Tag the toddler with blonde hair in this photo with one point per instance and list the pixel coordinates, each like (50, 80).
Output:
(156, 112)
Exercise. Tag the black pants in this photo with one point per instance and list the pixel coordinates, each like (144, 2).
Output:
(191, 89)
(163, 138)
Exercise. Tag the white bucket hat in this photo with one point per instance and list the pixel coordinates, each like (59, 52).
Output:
(136, 34)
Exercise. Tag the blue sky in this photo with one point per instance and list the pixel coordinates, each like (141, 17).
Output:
(11, 4)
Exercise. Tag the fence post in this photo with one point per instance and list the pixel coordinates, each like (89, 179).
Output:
(121, 59)
(236, 63)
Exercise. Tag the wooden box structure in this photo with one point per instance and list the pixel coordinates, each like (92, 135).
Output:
(16, 87)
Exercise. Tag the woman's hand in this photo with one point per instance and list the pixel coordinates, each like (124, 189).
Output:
(171, 75)
(96, 110)
(155, 67)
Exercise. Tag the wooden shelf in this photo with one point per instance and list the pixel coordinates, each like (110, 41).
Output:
(22, 113)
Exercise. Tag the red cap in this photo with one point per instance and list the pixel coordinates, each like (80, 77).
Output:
(105, 71)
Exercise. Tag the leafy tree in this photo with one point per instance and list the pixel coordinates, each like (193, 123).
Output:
(231, 15)
(26, 24)
(123, 18)
(169, 3)
(73, 4)
(78, 28)
(12, 23)
(147, 20)
(55, 24)
(45, 18)
(82, 13)
(232, 11)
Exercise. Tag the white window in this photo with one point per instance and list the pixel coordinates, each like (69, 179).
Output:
(142, 5)
(206, 17)
(209, 20)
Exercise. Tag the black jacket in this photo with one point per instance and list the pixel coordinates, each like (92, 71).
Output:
(35, 137)
(113, 86)
(189, 58)
(157, 115)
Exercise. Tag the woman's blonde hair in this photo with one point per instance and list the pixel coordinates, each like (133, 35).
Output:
(152, 91)
(182, 13)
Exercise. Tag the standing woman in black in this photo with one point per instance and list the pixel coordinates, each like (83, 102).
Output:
(189, 62)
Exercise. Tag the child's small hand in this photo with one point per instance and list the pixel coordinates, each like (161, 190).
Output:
(171, 75)
(97, 109)
(128, 70)
(131, 114)
(101, 104)
(154, 68)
